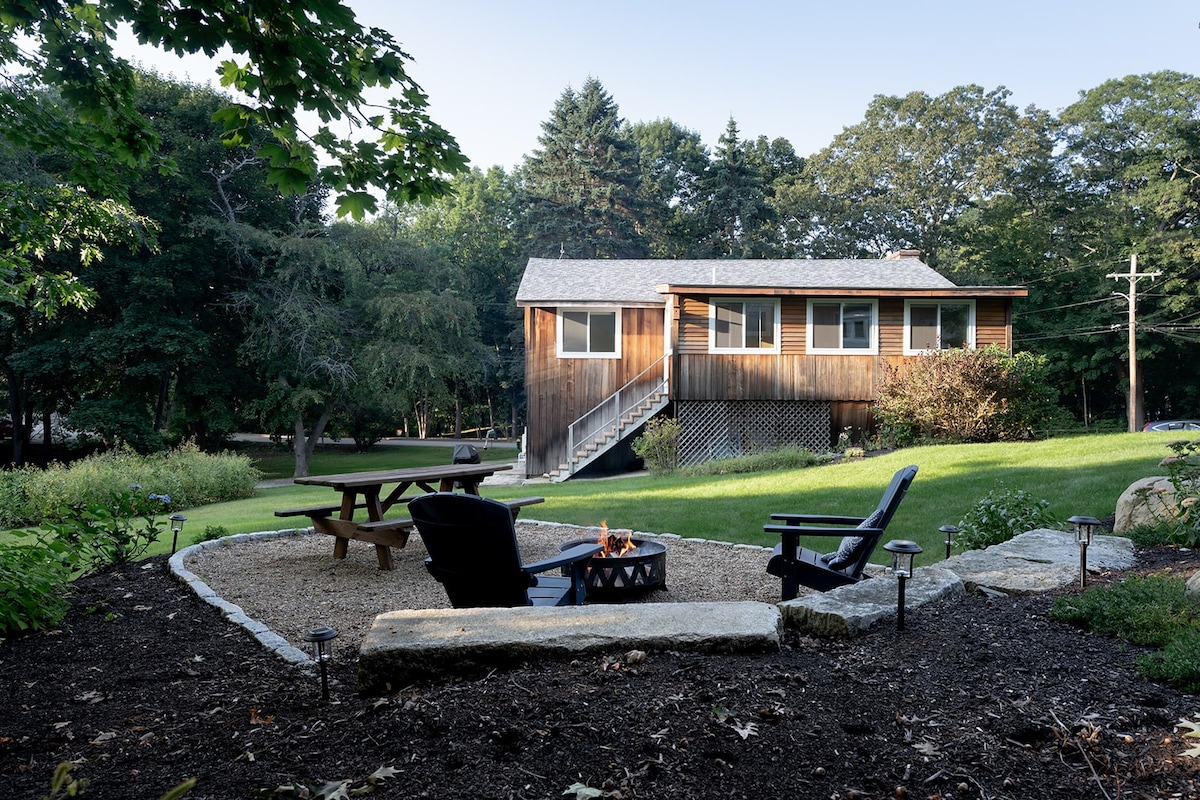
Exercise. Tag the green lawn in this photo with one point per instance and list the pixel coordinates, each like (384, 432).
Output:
(1077, 475)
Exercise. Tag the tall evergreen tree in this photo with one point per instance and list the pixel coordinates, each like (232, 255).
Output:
(581, 186)
(735, 203)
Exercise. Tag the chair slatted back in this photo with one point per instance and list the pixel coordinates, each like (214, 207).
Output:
(473, 551)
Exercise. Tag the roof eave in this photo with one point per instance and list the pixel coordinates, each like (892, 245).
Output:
(845, 291)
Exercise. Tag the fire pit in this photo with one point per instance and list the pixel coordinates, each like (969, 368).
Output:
(625, 569)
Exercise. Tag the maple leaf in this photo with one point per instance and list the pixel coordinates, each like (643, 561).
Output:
(745, 729)
(382, 774)
(926, 747)
(1193, 732)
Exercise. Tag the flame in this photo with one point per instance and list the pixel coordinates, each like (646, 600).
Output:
(615, 544)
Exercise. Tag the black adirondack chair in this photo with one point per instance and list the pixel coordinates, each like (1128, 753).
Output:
(473, 553)
(798, 566)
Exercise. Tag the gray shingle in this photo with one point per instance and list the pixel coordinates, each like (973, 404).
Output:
(559, 281)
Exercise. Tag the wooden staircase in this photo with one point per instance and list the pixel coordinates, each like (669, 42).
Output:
(614, 419)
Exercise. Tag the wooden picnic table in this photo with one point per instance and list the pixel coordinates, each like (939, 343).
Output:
(338, 520)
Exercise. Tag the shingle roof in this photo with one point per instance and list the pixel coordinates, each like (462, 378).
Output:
(634, 281)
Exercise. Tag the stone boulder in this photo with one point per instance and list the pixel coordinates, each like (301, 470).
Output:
(1148, 501)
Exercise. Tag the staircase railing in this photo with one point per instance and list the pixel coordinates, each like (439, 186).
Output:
(607, 415)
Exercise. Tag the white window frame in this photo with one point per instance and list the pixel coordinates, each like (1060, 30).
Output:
(871, 350)
(916, 351)
(777, 327)
(589, 310)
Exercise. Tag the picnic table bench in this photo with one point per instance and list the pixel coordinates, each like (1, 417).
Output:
(339, 520)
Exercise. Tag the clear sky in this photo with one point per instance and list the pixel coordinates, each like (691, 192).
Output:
(796, 69)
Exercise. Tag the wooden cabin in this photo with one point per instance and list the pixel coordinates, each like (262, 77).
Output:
(746, 354)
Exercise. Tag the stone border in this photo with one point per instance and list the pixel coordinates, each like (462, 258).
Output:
(234, 613)
(279, 645)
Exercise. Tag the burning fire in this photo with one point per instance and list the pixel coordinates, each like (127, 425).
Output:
(615, 544)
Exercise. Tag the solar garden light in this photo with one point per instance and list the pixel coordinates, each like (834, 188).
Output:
(322, 642)
(177, 521)
(949, 530)
(903, 552)
(1083, 532)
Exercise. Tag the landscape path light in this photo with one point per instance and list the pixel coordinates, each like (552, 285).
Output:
(1084, 526)
(322, 642)
(177, 521)
(903, 552)
(949, 530)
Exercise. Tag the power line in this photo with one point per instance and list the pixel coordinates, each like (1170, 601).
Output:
(1067, 335)
(1059, 308)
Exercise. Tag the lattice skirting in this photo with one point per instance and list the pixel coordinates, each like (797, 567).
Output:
(725, 428)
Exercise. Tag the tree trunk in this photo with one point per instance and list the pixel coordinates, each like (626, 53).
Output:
(422, 412)
(160, 404)
(47, 436)
(15, 402)
(304, 445)
(457, 413)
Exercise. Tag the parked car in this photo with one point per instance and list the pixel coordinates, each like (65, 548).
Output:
(1173, 425)
(6, 428)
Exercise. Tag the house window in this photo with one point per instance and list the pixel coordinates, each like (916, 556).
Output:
(589, 333)
(843, 326)
(938, 326)
(744, 326)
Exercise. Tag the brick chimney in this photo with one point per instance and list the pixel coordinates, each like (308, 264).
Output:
(904, 254)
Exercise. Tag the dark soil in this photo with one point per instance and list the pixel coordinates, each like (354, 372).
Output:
(144, 686)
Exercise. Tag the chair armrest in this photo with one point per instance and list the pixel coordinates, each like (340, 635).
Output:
(804, 530)
(580, 552)
(820, 519)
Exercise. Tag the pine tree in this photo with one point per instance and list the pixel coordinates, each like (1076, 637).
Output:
(736, 209)
(581, 187)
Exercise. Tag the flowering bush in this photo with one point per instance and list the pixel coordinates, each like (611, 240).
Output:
(1183, 471)
(966, 395)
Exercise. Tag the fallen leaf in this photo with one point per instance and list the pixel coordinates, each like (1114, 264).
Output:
(382, 774)
(255, 719)
(745, 729)
(926, 747)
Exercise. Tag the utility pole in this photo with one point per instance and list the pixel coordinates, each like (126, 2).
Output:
(1135, 392)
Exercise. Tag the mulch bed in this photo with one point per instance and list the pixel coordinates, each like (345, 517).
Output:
(144, 686)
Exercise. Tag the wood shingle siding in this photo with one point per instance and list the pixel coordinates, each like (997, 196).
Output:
(560, 390)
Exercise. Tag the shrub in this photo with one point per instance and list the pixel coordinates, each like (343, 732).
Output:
(188, 476)
(1155, 611)
(1147, 611)
(212, 532)
(115, 531)
(1153, 535)
(1177, 664)
(36, 575)
(1000, 516)
(966, 395)
(18, 504)
(658, 445)
(1183, 471)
